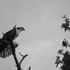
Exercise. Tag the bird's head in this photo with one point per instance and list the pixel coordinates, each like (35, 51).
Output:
(18, 30)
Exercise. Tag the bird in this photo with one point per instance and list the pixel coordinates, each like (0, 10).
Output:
(13, 33)
(5, 41)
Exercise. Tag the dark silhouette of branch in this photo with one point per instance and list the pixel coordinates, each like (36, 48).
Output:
(29, 68)
(23, 57)
(18, 64)
(15, 57)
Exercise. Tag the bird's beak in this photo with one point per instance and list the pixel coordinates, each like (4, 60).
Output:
(21, 28)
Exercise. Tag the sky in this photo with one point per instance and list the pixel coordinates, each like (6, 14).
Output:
(43, 34)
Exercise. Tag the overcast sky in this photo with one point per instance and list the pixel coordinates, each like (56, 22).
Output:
(42, 38)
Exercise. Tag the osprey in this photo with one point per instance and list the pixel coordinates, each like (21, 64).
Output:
(12, 34)
(8, 37)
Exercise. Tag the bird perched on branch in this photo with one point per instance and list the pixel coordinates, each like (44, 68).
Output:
(8, 37)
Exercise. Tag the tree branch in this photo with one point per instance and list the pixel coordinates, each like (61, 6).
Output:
(15, 57)
(23, 57)
(29, 68)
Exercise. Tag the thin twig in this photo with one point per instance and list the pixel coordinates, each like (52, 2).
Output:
(23, 57)
(29, 68)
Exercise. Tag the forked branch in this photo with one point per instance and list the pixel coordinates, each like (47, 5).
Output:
(23, 57)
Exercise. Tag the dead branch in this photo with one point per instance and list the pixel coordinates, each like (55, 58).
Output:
(23, 57)
(29, 68)
(15, 57)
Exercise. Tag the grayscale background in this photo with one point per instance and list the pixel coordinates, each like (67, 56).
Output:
(42, 38)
